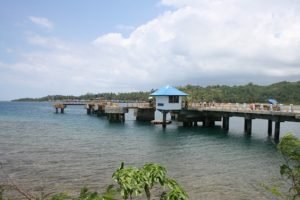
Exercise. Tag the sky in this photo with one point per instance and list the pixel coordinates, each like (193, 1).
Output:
(76, 47)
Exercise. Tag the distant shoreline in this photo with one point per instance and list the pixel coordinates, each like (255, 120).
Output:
(284, 92)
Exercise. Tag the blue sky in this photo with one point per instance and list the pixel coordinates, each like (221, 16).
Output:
(79, 21)
(74, 47)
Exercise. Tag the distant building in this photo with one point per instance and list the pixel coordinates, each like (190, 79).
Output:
(168, 99)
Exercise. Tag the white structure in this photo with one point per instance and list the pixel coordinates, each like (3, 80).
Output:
(168, 99)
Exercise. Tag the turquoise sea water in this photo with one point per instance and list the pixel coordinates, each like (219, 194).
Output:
(63, 152)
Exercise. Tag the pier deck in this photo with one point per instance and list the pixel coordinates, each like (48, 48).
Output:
(209, 114)
(193, 113)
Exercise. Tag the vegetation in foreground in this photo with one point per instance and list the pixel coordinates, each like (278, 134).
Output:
(284, 92)
(131, 182)
(289, 147)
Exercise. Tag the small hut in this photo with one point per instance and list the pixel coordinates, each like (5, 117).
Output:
(168, 99)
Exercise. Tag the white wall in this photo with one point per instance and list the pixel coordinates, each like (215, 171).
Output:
(167, 106)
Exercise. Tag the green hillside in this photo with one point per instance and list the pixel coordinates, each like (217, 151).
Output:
(284, 92)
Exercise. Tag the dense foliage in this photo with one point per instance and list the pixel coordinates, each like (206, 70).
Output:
(133, 181)
(289, 147)
(283, 92)
(130, 96)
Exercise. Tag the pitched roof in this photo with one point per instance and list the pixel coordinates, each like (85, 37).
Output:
(168, 91)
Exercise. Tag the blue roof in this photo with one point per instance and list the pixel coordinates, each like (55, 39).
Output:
(168, 91)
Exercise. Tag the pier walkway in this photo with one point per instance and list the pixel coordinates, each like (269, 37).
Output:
(114, 110)
(193, 113)
(209, 114)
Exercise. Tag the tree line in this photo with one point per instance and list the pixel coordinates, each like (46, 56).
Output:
(284, 92)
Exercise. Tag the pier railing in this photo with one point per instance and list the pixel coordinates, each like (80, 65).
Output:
(137, 105)
(237, 107)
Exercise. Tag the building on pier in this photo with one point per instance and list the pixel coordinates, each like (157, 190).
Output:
(168, 99)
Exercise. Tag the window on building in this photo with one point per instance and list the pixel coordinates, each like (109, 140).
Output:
(173, 99)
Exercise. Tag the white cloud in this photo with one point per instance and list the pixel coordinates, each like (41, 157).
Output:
(200, 42)
(123, 27)
(41, 21)
(47, 42)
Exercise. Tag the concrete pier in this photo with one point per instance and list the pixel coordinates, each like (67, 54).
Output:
(192, 114)
(173, 115)
(145, 114)
(89, 109)
(60, 107)
(277, 131)
(116, 114)
(270, 123)
(225, 123)
(208, 122)
(164, 122)
(248, 126)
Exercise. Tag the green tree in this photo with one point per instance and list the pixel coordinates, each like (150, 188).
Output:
(133, 181)
(289, 147)
(151, 174)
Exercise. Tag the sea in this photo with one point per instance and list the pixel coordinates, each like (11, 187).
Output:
(42, 150)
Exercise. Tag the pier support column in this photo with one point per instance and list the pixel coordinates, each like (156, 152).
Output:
(203, 123)
(277, 131)
(115, 117)
(164, 124)
(248, 126)
(56, 110)
(100, 113)
(225, 123)
(208, 122)
(145, 114)
(187, 124)
(269, 127)
(195, 123)
(88, 111)
(62, 110)
(173, 116)
(123, 117)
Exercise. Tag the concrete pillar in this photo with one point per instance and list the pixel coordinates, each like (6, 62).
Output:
(123, 117)
(164, 124)
(173, 116)
(291, 108)
(116, 117)
(195, 123)
(100, 113)
(62, 110)
(269, 127)
(88, 111)
(145, 114)
(185, 124)
(56, 110)
(277, 131)
(248, 126)
(225, 123)
(208, 122)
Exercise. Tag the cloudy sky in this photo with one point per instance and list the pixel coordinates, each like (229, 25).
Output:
(74, 47)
